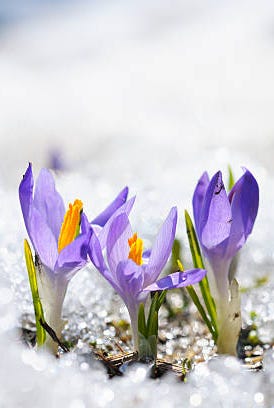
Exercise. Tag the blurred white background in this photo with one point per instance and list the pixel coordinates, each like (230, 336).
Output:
(97, 80)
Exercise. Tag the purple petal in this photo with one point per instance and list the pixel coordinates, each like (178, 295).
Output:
(25, 196)
(85, 225)
(49, 202)
(244, 198)
(161, 248)
(74, 256)
(117, 241)
(42, 239)
(198, 199)
(178, 280)
(125, 208)
(105, 215)
(95, 253)
(96, 257)
(130, 278)
(215, 218)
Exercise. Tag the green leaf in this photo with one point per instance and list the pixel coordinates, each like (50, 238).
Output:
(198, 263)
(142, 328)
(147, 348)
(175, 254)
(152, 310)
(231, 180)
(197, 303)
(193, 243)
(38, 309)
(148, 330)
(161, 299)
(152, 329)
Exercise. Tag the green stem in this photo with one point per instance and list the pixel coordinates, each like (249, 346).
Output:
(202, 312)
(198, 263)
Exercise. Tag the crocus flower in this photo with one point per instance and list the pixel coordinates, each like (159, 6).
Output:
(130, 273)
(223, 223)
(60, 239)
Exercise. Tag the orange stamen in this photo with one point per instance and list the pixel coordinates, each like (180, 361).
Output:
(70, 225)
(135, 249)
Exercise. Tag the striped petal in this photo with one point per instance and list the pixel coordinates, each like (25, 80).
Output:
(104, 232)
(177, 280)
(162, 248)
(96, 257)
(244, 198)
(26, 196)
(105, 215)
(216, 217)
(117, 241)
(49, 202)
(198, 199)
(43, 239)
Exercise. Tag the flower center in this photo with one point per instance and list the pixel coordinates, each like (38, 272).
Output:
(71, 224)
(135, 249)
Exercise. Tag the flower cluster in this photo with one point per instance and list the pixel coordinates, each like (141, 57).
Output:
(65, 241)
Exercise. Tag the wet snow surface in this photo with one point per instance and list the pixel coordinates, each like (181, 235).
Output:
(145, 96)
(76, 379)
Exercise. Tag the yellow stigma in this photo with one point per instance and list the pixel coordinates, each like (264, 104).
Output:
(71, 224)
(135, 249)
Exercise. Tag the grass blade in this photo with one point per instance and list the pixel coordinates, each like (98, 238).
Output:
(142, 328)
(152, 310)
(152, 329)
(192, 293)
(231, 180)
(38, 309)
(198, 263)
(161, 299)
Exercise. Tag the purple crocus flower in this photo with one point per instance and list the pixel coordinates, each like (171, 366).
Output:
(60, 239)
(131, 274)
(223, 223)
